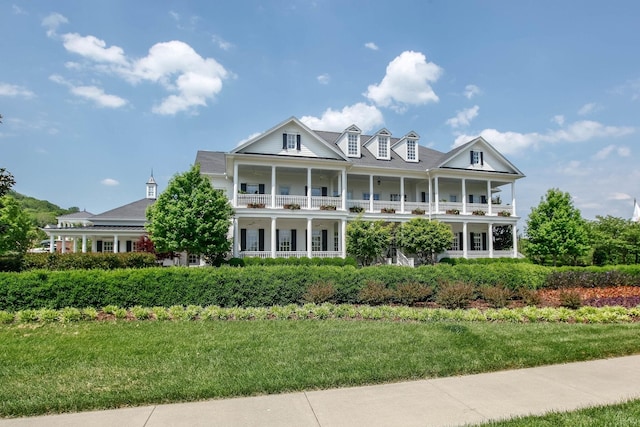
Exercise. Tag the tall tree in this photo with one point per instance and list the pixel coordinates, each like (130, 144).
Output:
(367, 240)
(556, 230)
(6, 181)
(17, 232)
(502, 237)
(191, 216)
(606, 237)
(424, 238)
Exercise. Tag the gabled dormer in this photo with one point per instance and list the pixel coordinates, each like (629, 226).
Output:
(407, 147)
(478, 155)
(349, 141)
(380, 145)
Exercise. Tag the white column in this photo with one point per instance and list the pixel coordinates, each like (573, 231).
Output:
(402, 194)
(84, 243)
(309, 236)
(514, 232)
(343, 189)
(94, 244)
(464, 196)
(513, 198)
(52, 243)
(273, 237)
(309, 188)
(273, 186)
(73, 239)
(343, 238)
(115, 243)
(236, 239)
(437, 195)
(429, 198)
(63, 242)
(490, 239)
(465, 239)
(370, 193)
(489, 201)
(235, 184)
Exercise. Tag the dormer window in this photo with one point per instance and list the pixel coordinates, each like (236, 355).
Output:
(411, 149)
(477, 158)
(291, 141)
(352, 145)
(383, 147)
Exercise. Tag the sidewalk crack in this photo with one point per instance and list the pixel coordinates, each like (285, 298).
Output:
(311, 407)
(149, 417)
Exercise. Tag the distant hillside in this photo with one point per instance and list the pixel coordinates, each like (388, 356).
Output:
(43, 212)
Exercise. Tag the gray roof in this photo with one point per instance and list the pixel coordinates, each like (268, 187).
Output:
(136, 210)
(211, 161)
(76, 215)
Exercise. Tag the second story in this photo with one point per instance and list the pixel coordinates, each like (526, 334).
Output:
(293, 167)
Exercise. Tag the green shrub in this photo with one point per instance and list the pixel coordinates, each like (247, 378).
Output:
(160, 313)
(70, 314)
(6, 317)
(89, 313)
(120, 313)
(455, 295)
(409, 293)
(236, 262)
(26, 316)
(89, 260)
(319, 292)
(140, 313)
(529, 297)
(375, 293)
(496, 296)
(48, 315)
(570, 299)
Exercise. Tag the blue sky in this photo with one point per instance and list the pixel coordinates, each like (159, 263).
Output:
(96, 94)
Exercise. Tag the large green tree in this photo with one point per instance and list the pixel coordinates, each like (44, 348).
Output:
(367, 240)
(17, 232)
(191, 216)
(424, 238)
(6, 181)
(556, 230)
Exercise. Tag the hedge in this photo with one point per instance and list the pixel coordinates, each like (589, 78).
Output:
(84, 261)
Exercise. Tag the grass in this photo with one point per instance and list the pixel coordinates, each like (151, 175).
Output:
(622, 415)
(54, 367)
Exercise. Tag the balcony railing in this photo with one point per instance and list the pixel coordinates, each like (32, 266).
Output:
(290, 254)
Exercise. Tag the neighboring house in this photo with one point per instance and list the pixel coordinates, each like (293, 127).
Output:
(294, 190)
(117, 230)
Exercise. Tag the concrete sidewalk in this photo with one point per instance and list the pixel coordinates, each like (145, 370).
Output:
(450, 401)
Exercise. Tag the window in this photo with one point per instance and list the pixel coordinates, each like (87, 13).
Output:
(135, 247)
(284, 190)
(396, 198)
(193, 259)
(477, 158)
(453, 198)
(107, 246)
(365, 196)
(285, 240)
(411, 150)
(252, 240)
(483, 199)
(316, 240)
(477, 241)
(253, 188)
(455, 244)
(383, 147)
(352, 145)
(291, 141)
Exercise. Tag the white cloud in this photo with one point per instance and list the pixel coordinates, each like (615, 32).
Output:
(515, 142)
(588, 109)
(222, 43)
(92, 93)
(17, 10)
(558, 119)
(110, 182)
(371, 45)
(93, 48)
(249, 138)
(464, 117)
(619, 196)
(606, 151)
(573, 168)
(407, 82)
(324, 79)
(471, 90)
(630, 87)
(15, 91)
(52, 22)
(366, 117)
(624, 151)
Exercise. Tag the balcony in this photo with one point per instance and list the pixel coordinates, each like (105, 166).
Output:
(290, 254)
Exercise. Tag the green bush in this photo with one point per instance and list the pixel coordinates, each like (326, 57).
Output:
(409, 293)
(496, 296)
(570, 299)
(86, 261)
(319, 292)
(455, 295)
(375, 293)
(593, 277)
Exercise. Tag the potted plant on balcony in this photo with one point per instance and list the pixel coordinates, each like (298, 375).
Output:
(452, 212)
(255, 205)
(417, 211)
(504, 213)
(356, 209)
(292, 206)
(478, 212)
(328, 207)
(388, 210)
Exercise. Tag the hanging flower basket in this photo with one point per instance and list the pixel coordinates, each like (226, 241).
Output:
(256, 205)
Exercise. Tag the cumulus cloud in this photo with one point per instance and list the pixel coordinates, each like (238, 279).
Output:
(190, 79)
(515, 142)
(407, 82)
(52, 22)
(573, 168)
(471, 90)
(366, 117)
(109, 182)
(464, 117)
(15, 91)
(609, 149)
(92, 93)
(324, 79)
(558, 119)
(371, 45)
(588, 109)
(222, 43)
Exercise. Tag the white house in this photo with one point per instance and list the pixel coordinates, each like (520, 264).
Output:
(295, 189)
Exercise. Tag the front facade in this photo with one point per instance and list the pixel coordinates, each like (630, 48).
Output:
(294, 190)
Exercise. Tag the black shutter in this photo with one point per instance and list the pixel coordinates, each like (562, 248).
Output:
(471, 159)
(483, 199)
(472, 245)
(484, 241)
(294, 240)
(243, 239)
(261, 239)
(325, 239)
(470, 198)
(423, 197)
(99, 245)
(261, 188)
(284, 141)
(306, 190)
(306, 240)
(481, 159)
(460, 241)
(324, 192)
(129, 246)
(243, 187)
(277, 240)
(298, 142)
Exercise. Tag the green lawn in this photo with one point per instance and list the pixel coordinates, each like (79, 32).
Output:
(54, 367)
(623, 415)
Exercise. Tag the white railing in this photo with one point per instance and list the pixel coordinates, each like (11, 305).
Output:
(379, 205)
(290, 254)
(403, 260)
(411, 206)
(326, 254)
(317, 202)
(443, 207)
(364, 204)
(254, 199)
(282, 201)
(255, 254)
(496, 209)
(477, 207)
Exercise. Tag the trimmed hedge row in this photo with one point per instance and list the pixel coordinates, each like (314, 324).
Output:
(257, 286)
(86, 261)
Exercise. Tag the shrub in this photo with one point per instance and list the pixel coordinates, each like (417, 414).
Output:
(89, 313)
(319, 292)
(6, 317)
(70, 314)
(48, 315)
(570, 299)
(455, 295)
(409, 293)
(140, 313)
(496, 296)
(160, 313)
(529, 297)
(375, 293)
(26, 316)
(236, 262)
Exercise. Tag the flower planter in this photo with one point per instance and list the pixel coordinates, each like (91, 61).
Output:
(327, 208)
(479, 213)
(255, 205)
(356, 209)
(452, 212)
(292, 206)
(388, 210)
(504, 213)
(418, 212)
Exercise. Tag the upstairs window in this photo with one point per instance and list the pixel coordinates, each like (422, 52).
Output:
(352, 144)
(291, 141)
(477, 158)
(411, 150)
(383, 147)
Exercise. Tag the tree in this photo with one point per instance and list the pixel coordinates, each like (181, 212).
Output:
(424, 238)
(556, 229)
(367, 240)
(6, 181)
(606, 236)
(190, 215)
(502, 237)
(18, 231)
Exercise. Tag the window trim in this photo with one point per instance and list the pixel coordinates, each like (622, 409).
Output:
(353, 147)
(383, 147)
